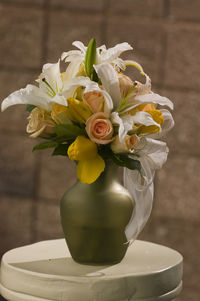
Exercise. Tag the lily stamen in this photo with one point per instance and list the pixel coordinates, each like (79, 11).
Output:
(52, 92)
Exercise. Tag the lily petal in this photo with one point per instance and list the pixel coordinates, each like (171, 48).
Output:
(110, 81)
(29, 95)
(166, 126)
(70, 54)
(112, 53)
(80, 46)
(126, 122)
(134, 64)
(73, 68)
(51, 73)
(154, 98)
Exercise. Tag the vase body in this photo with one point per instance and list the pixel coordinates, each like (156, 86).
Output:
(94, 217)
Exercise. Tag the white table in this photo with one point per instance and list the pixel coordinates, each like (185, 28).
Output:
(45, 271)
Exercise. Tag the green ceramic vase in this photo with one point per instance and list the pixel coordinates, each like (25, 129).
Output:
(94, 217)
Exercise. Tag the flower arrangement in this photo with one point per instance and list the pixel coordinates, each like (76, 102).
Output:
(93, 112)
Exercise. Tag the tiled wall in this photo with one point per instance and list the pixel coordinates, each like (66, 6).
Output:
(165, 35)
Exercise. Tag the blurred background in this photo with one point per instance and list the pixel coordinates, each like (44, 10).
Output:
(165, 36)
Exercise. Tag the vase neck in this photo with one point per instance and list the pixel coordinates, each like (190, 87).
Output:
(109, 175)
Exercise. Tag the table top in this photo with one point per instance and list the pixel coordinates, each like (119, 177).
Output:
(46, 271)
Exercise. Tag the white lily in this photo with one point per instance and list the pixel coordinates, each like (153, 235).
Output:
(49, 90)
(77, 57)
(110, 82)
(126, 122)
(52, 89)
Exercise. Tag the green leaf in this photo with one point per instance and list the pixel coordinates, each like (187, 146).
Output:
(45, 145)
(120, 159)
(130, 163)
(29, 108)
(90, 58)
(70, 131)
(61, 150)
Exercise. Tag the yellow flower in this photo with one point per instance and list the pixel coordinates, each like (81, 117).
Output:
(157, 117)
(79, 111)
(90, 164)
(60, 114)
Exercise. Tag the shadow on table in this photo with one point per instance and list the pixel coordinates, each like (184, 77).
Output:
(61, 266)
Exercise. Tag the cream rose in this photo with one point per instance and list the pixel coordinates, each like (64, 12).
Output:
(99, 128)
(94, 100)
(128, 145)
(40, 121)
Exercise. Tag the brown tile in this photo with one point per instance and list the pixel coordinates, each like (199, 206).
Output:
(137, 7)
(17, 165)
(80, 5)
(145, 37)
(15, 226)
(182, 57)
(14, 119)
(57, 175)
(183, 9)
(24, 2)
(48, 225)
(20, 37)
(184, 137)
(66, 27)
(188, 293)
(184, 238)
(177, 188)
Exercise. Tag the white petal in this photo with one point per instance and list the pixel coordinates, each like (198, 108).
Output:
(51, 72)
(119, 63)
(73, 68)
(59, 99)
(72, 84)
(154, 98)
(29, 95)
(168, 121)
(110, 81)
(126, 122)
(123, 128)
(108, 105)
(112, 53)
(80, 46)
(69, 54)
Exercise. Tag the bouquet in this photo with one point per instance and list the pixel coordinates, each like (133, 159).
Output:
(94, 113)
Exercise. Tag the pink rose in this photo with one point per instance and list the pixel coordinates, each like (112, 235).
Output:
(125, 83)
(94, 100)
(99, 128)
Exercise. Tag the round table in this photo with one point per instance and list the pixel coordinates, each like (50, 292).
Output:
(45, 271)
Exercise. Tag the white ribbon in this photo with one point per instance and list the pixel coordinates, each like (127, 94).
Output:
(140, 185)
